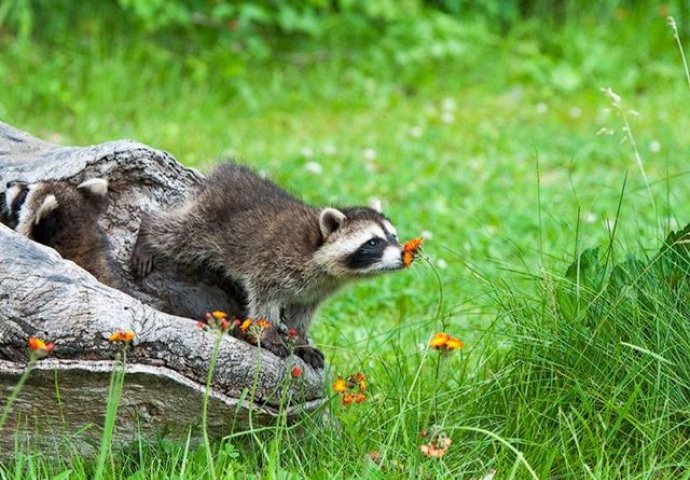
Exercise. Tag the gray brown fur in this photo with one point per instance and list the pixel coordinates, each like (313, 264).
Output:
(67, 222)
(287, 256)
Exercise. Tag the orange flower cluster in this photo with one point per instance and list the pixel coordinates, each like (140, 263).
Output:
(122, 336)
(296, 371)
(39, 347)
(410, 250)
(263, 324)
(438, 442)
(352, 389)
(244, 326)
(255, 329)
(221, 319)
(218, 320)
(445, 342)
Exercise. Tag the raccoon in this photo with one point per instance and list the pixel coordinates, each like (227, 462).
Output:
(287, 256)
(4, 219)
(63, 216)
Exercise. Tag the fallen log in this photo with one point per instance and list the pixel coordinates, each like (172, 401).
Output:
(44, 295)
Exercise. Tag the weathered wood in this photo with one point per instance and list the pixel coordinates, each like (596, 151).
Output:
(44, 295)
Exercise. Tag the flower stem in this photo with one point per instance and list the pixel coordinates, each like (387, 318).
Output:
(117, 381)
(204, 406)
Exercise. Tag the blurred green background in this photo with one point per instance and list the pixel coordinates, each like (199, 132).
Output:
(479, 124)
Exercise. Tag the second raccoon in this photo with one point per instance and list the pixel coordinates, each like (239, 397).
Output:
(65, 217)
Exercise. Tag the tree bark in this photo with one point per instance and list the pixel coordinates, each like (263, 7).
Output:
(44, 295)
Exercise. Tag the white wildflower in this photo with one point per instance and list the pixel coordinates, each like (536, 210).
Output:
(369, 154)
(575, 112)
(313, 167)
(416, 132)
(613, 96)
(605, 131)
(448, 104)
(329, 149)
(448, 117)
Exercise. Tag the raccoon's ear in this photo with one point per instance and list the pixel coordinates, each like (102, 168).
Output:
(94, 186)
(375, 204)
(49, 205)
(330, 220)
(45, 222)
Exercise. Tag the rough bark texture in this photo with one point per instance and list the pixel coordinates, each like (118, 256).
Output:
(44, 295)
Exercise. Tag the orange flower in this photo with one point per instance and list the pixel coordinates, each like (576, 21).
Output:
(439, 340)
(347, 399)
(218, 315)
(124, 336)
(410, 250)
(436, 449)
(296, 372)
(263, 323)
(245, 325)
(359, 397)
(445, 342)
(432, 451)
(201, 325)
(340, 385)
(438, 442)
(292, 333)
(40, 347)
(454, 344)
(223, 323)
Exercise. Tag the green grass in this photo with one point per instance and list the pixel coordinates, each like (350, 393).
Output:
(494, 152)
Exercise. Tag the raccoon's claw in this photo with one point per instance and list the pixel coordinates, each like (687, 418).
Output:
(142, 261)
(311, 356)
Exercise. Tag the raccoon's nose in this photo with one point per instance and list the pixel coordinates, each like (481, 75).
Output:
(11, 183)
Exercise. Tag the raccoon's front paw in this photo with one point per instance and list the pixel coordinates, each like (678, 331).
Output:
(142, 260)
(311, 356)
(275, 344)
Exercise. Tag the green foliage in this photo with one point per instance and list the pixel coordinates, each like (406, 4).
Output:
(599, 361)
(476, 121)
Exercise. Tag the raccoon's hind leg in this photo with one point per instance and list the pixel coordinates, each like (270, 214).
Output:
(299, 317)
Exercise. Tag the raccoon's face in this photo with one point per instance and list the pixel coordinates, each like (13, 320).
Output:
(33, 209)
(357, 242)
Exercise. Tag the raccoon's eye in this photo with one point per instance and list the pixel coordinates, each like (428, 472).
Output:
(374, 242)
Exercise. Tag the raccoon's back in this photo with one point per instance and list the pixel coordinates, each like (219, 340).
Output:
(231, 189)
